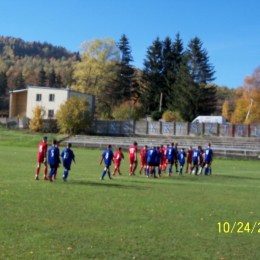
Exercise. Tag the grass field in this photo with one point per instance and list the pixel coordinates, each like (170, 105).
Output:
(127, 217)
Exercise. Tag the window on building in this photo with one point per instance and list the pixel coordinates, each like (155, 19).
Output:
(51, 113)
(51, 97)
(38, 97)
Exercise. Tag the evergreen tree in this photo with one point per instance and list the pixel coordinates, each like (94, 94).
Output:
(121, 85)
(52, 78)
(186, 92)
(172, 58)
(19, 82)
(42, 78)
(195, 96)
(58, 81)
(152, 77)
(3, 83)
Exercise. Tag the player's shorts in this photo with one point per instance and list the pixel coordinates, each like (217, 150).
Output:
(132, 160)
(195, 163)
(182, 163)
(152, 164)
(66, 166)
(143, 161)
(207, 161)
(54, 166)
(117, 164)
(171, 161)
(40, 159)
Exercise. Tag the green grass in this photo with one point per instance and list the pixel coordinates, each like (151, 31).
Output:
(127, 217)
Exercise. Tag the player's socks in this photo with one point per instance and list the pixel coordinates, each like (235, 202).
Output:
(45, 170)
(130, 169)
(37, 170)
(159, 171)
(103, 174)
(210, 171)
(196, 171)
(147, 171)
(206, 171)
(170, 169)
(181, 170)
(109, 175)
(135, 168)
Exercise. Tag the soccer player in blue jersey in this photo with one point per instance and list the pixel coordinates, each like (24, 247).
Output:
(181, 158)
(170, 156)
(151, 161)
(67, 156)
(196, 160)
(208, 157)
(53, 159)
(108, 158)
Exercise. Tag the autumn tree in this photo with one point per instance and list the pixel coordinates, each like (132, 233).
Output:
(226, 110)
(74, 115)
(97, 65)
(247, 105)
(122, 112)
(37, 119)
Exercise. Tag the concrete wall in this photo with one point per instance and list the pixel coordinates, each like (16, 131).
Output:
(167, 129)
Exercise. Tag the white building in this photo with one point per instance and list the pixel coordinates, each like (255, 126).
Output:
(22, 102)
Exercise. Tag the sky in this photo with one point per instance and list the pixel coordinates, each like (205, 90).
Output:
(228, 29)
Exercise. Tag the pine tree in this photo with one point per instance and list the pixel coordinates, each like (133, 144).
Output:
(202, 73)
(52, 78)
(172, 70)
(3, 83)
(152, 77)
(58, 81)
(125, 71)
(19, 82)
(42, 78)
(186, 92)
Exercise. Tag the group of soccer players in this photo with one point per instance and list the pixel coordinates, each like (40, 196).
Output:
(159, 158)
(53, 159)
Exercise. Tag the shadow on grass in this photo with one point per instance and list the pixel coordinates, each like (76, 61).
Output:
(237, 177)
(109, 183)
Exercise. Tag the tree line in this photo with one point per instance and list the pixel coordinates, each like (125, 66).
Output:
(176, 82)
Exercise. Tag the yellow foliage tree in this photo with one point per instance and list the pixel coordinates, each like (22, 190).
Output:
(123, 111)
(36, 121)
(74, 115)
(97, 65)
(239, 115)
(170, 116)
(226, 110)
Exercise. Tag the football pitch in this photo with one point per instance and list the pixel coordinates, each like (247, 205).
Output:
(128, 217)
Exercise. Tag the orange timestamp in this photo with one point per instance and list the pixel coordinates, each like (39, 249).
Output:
(238, 227)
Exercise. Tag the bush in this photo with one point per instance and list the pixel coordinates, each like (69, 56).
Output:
(121, 113)
(170, 116)
(156, 115)
(36, 121)
(74, 115)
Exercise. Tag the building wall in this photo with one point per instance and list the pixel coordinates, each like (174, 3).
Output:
(60, 97)
(18, 104)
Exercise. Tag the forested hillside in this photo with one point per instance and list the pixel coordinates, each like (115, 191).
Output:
(33, 63)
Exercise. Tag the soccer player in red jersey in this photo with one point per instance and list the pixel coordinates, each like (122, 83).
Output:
(133, 158)
(189, 159)
(42, 158)
(118, 156)
(164, 157)
(143, 159)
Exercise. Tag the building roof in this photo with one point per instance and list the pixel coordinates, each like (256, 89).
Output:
(50, 88)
